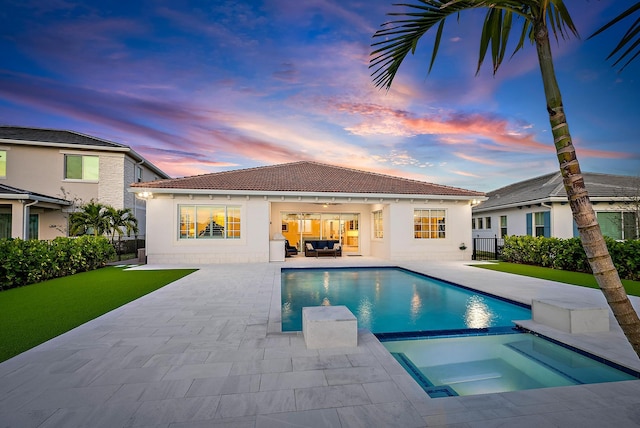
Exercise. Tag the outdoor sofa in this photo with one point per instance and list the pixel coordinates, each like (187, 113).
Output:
(311, 248)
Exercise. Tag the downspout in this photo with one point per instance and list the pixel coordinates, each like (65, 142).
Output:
(25, 218)
(135, 203)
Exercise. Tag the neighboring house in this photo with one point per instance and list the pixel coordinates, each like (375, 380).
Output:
(231, 217)
(45, 172)
(539, 207)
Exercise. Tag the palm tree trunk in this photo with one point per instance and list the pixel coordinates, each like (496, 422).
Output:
(593, 242)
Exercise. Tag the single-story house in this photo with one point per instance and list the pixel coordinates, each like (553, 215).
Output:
(539, 207)
(242, 216)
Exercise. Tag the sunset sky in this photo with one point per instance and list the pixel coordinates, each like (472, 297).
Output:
(207, 86)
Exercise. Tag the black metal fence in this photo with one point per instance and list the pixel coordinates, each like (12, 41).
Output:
(487, 248)
(127, 246)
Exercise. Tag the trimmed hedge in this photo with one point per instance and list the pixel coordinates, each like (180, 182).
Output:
(568, 254)
(31, 261)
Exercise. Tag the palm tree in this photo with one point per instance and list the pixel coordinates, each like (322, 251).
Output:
(91, 218)
(121, 221)
(631, 39)
(401, 36)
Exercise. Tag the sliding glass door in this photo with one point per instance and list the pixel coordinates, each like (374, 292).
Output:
(300, 227)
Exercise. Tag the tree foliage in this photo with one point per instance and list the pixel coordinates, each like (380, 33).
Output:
(629, 46)
(91, 219)
(30, 261)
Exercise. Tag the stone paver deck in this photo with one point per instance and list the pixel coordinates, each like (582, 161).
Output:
(207, 351)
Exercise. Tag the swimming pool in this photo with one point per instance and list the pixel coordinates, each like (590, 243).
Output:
(386, 300)
(452, 340)
(470, 365)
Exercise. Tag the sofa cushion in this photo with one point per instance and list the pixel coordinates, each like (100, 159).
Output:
(309, 246)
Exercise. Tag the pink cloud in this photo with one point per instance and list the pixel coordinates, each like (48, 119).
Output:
(489, 130)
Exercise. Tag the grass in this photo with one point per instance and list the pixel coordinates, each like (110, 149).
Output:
(36, 313)
(567, 277)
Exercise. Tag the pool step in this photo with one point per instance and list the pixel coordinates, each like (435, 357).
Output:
(418, 376)
(572, 366)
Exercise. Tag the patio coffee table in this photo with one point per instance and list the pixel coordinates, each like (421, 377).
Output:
(326, 252)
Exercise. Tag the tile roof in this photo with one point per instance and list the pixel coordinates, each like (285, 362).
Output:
(308, 177)
(54, 136)
(548, 186)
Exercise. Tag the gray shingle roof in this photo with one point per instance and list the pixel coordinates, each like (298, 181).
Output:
(54, 136)
(57, 137)
(549, 186)
(307, 176)
(9, 191)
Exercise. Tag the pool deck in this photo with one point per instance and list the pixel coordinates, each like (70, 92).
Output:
(207, 351)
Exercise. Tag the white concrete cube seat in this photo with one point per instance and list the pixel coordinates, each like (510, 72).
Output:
(571, 317)
(329, 327)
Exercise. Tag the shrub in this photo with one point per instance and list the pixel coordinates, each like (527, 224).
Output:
(568, 254)
(31, 261)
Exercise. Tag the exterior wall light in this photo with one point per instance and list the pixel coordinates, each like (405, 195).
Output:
(144, 195)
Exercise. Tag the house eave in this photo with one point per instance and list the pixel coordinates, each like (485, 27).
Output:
(64, 145)
(32, 197)
(549, 200)
(371, 197)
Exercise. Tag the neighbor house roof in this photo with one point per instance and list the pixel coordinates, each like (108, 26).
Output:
(68, 139)
(9, 192)
(306, 177)
(550, 188)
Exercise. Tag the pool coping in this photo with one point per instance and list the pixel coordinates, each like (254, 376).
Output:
(222, 317)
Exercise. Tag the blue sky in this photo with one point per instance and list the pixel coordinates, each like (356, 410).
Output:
(207, 86)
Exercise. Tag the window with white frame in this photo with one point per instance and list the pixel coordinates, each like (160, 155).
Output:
(619, 224)
(138, 174)
(539, 224)
(473, 223)
(34, 226)
(3, 163)
(209, 222)
(81, 167)
(5, 225)
(378, 231)
(480, 223)
(487, 222)
(503, 226)
(429, 224)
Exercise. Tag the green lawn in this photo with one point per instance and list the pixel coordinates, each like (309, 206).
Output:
(36, 313)
(575, 278)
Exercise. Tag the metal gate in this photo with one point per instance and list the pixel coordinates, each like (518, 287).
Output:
(487, 248)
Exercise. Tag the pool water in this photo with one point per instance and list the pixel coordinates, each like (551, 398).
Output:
(388, 300)
(471, 365)
(450, 339)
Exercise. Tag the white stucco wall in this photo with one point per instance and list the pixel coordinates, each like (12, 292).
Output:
(164, 246)
(381, 247)
(262, 219)
(404, 246)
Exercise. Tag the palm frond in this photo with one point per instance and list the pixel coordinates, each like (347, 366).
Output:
(630, 41)
(401, 36)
